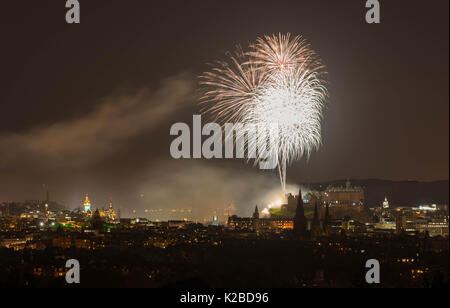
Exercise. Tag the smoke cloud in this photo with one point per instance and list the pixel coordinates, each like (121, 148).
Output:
(120, 151)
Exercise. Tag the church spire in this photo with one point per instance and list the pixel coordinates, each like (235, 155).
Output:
(300, 219)
(326, 220)
(315, 227)
(256, 213)
(256, 219)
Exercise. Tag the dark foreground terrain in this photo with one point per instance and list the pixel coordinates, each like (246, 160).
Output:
(331, 262)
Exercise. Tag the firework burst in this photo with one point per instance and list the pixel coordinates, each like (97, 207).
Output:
(279, 80)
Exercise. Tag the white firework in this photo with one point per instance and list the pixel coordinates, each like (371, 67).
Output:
(278, 81)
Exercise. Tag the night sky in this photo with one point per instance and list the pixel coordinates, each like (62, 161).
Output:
(87, 108)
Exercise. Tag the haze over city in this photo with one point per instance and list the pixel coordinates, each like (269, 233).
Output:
(89, 111)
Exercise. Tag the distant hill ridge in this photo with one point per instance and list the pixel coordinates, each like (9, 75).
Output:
(399, 193)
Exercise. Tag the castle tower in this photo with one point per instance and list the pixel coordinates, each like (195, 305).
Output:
(300, 219)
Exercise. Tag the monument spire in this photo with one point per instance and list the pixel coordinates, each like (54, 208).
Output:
(87, 204)
(300, 219)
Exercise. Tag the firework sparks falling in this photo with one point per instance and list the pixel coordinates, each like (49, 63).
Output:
(279, 80)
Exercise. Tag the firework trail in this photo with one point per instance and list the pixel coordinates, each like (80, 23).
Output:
(279, 80)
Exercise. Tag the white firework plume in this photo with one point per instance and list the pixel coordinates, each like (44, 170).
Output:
(278, 81)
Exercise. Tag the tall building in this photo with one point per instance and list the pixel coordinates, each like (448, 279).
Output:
(406, 221)
(110, 213)
(240, 223)
(300, 219)
(385, 203)
(291, 205)
(87, 205)
(215, 221)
